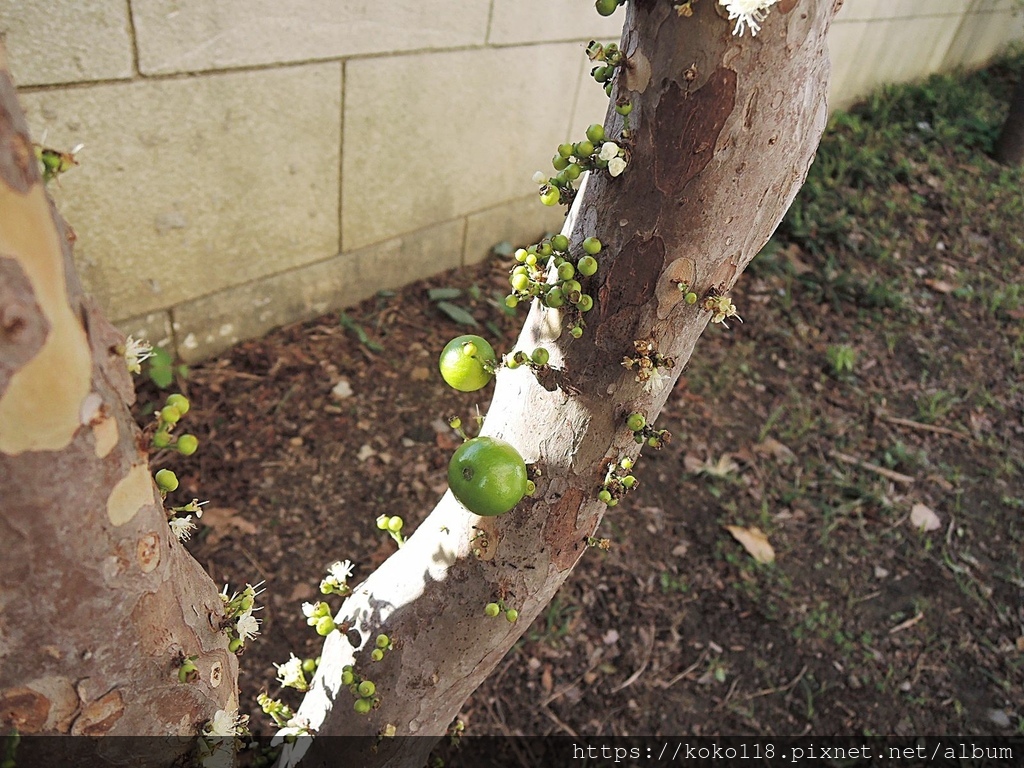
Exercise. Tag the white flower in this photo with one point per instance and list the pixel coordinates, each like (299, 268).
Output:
(340, 571)
(247, 626)
(226, 723)
(308, 610)
(609, 150)
(540, 178)
(748, 13)
(290, 674)
(135, 352)
(616, 166)
(657, 381)
(182, 527)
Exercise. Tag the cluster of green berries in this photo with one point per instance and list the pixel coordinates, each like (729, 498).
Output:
(607, 7)
(595, 152)
(280, 712)
(364, 690)
(499, 608)
(54, 162)
(166, 419)
(645, 433)
(608, 59)
(318, 615)
(530, 278)
(689, 296)
(238, 622)
(617, 483)
(381, 645)
(537, 361)
(393, 525)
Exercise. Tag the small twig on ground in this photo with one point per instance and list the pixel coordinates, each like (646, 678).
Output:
(647, 658)
(928, 427)
(906, 624)
(896, 477)
(781, 689)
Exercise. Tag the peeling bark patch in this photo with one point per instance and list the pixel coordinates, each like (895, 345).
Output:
(132, 492)
(18, 167)
(24, 709)
(99, 716)
(105, 435)
(148, 552)
(635, 274)
(694, 121)
(561, 532)
(23, 328)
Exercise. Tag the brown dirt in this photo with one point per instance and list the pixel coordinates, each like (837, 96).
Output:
(863, 625)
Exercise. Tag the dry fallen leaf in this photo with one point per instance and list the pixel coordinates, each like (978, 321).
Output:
(775, 449)
(924, 519)
(222, 520)
(940, 286)
(754, 541)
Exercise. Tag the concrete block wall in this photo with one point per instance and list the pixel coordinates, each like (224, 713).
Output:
(250, 163)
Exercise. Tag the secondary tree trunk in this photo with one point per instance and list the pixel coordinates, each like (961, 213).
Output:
(724, 130)
(1009, 149)
(97, 598)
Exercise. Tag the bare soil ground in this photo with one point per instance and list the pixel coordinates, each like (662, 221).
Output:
(867, 417)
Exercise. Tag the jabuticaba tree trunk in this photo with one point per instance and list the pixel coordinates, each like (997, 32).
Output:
(1009, 148)
(724, 129)
(97, 598)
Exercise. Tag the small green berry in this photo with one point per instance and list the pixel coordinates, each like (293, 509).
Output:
(382, 521)
(511, 615)
(166, 480)
(636, 422)
(555, 298)
(653, 441)
(235, 645)
(170, 415)
(395, 524)
(180, 402)
(531, 487)
(566, 271)
(584, 149)
(377, 654)
(624, 109)
(367, 688)
(511, 363)
(691, 298)
(576, 331)
(626, 463)
(559, 163)
(511, 301)
(601, 74)
(325, 625)
(347, 677)
(628, 481)
(592, 246)
(187, 445)
(565, 150)
(161, 439)
(540, 356)
(560, 242)
(531, 259)
(520, 255)
(613, 503)
(520, 282)
(595, 133)
(573, 172)
(586, 303)
(587, 266)
(362, 706)
(549, 195)
(309, 665)
(606, 7)
(382, 641)
(604, 495)
(492, 609)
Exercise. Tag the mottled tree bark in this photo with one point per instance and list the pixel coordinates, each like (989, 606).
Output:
(1009, 149)
(97, 598)
(724, 129)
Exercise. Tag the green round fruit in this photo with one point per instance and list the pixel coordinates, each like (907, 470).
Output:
(624, 109)
(566, 271)
(467, 372)
(592, 246)
(362, 706)
(309, 665)
(511, 615)
(584, 149)
(565, 150)
(166, 480)
(586, 303)
(554, 298)
(559, 163)
(560, 243)
(367, 688)
(178, 401)
(573, 172)
(604, 495)
(382, 641)
(492, 609)
(377, 654)
(549, 195)
(541, 356)
(170, 414)
(636, 422)
(576, 332)
(395, 524)
(161, 439)
(188, 444)
(606, 7)
(595, 133)
(587, 266)
(487, 476)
